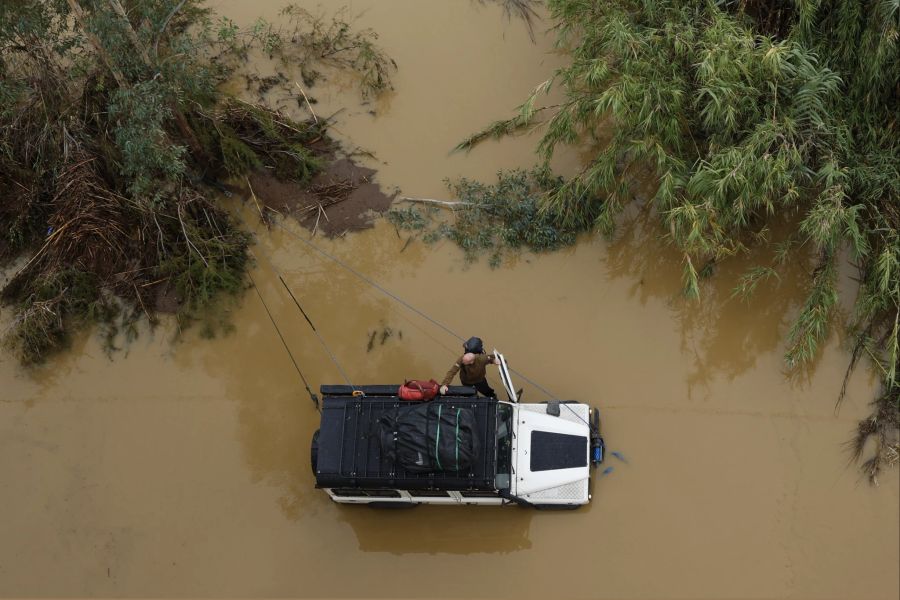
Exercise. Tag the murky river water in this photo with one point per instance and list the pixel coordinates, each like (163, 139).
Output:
(183, 470)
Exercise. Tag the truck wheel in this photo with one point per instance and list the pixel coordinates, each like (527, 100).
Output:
(314, 451)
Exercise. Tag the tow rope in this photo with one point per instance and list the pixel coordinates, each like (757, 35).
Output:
(404, 303)
(331, 355)
(356, 391)
(312, 395)
(399, 299)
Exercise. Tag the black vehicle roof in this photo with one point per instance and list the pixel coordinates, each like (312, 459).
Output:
(350, 454)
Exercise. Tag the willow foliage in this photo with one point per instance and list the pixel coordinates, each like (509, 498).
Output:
(746, 111)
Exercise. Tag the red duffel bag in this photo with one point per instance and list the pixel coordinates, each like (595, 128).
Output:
(416, 389)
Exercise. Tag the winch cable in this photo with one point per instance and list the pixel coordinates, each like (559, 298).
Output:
(391, 295)
(580, 418)
(303, 312)
(312, 395)
(305, 316)
(387, 293)
(311, 326)
(399, 299)
(427, 333)
(315, 331)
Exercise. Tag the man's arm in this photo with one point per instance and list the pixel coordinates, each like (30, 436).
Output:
(448, 378)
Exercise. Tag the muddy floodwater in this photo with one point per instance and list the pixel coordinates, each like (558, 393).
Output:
(183, 469)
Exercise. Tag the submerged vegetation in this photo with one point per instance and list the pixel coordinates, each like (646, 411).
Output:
(497, 219)
(113, 133)
(746, 112)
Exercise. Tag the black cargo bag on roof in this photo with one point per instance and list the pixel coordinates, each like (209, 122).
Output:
(430, 437)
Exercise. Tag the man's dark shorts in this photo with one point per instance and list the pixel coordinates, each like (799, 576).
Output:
(484, 389)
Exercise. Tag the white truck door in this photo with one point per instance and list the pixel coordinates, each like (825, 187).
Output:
(504, 376)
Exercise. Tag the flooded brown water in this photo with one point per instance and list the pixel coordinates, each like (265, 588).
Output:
(183, 470)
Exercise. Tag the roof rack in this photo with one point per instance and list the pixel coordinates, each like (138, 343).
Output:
(350, 452)
(385, 390)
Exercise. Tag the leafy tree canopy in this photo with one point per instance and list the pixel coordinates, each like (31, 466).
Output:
(745, 111)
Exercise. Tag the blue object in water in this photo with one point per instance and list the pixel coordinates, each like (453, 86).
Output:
(619, 455)
(607, 471)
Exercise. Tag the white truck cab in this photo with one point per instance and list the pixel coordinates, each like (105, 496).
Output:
(532, 454)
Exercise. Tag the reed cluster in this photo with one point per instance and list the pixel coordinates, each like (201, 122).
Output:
(745, 112)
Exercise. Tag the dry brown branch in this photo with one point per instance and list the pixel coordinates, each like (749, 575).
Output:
(308, 105)
(188, 239)
(255, 199)
(140, 299)
(323, 203)
(316, 227)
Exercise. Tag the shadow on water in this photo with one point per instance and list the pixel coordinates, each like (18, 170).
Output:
(725, 334)
(440, 529)
(639, 253)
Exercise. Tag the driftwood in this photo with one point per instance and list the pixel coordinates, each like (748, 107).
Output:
(325, 194)
(317, 207)
(444, 203)
(321, 213)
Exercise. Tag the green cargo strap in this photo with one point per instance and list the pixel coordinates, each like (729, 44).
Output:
(437, 439)
(457, 439)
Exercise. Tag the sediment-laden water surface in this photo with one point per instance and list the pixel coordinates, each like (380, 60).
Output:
(183, 469)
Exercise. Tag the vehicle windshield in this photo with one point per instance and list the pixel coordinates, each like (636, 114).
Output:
(504, 445)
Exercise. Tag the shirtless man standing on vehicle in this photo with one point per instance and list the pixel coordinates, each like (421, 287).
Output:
(472, 368)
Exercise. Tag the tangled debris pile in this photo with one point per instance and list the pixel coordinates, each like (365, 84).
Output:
(114, 132)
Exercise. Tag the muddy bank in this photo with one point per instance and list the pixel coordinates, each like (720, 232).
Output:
(342, 198)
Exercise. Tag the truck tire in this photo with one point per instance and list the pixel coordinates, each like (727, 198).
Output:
(314, 452)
